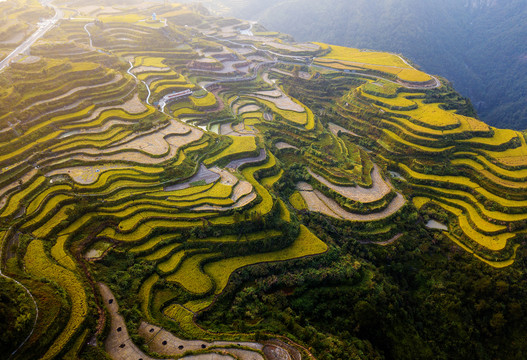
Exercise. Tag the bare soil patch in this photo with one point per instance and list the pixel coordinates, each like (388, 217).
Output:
(142, 69)
(378, 190)
(118, 343)
(86, 175)
(134, 156)
(244, 200)
(155, 143)
(226, 177)
(318, 202)
(241, 189)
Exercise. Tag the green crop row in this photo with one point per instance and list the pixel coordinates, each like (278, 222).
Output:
(39, 265)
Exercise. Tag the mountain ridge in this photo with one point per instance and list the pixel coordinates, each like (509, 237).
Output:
(478, 45)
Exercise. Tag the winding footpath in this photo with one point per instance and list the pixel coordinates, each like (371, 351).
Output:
(89, 34)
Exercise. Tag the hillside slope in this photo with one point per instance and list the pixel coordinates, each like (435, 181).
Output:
(191, 187)
(478, 45)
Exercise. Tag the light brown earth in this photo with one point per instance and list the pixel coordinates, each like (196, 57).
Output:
(166, 344)
(116, 78)
(13, 185)
(244, 200)
(226, 129)
(29, 59)
(283, 102)
(242, 188)
(318, 202)
(378, 190)
(86, 174)
(385, 243)
(156, 143)
(142, 69)
(226, 177)
(96, 130)
(265, 77)
(270, 93)
(334, 128)
(247, 109)
(283, 145)
(132, 106)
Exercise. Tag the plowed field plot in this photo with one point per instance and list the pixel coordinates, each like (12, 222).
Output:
(118, 344)
(335, 129)
(203, 175)
(282, 101)
(318, 202)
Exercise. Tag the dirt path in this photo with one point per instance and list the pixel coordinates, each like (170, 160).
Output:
(120, 347)
(118, 343)
(283, 145)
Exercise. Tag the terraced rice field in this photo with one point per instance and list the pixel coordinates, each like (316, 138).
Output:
(164, 212)
(384, 62)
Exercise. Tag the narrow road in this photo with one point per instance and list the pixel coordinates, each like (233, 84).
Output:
(44, 27)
